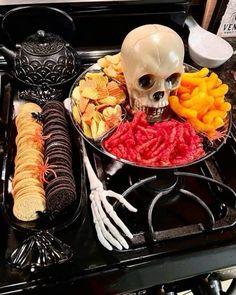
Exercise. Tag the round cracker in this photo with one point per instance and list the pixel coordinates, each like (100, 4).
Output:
(32, 145)
(31, 166)
(26, 207)
(24, 117)
(29, 189)
(23, 175)
(29, 158)
(26, 182)
(30, 107)
(23, 123)
(34, 153)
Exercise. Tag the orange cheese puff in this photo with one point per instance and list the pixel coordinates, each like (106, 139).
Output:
(203, 105)
(186, 80)
(182, 90)
(201, 73)
(219, 91)
(218, 122)
(203, 86)
(218, 82)
(211, 115)
(189, 103)
(225, 106)
(211, 81)
(201, 126)
(185, 96)
(179, 109)
(194, 100)
(206, 105)
(195, 91)
(218, 101)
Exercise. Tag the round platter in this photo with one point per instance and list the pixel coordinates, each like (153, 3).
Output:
(209, 146)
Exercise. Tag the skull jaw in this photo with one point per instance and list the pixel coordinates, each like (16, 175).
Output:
(153, 110)
(153, 114)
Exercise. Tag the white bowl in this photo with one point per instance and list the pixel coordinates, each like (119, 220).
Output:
(204, 59)
(207, 49)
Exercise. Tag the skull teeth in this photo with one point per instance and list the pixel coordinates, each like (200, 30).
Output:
(152, 113)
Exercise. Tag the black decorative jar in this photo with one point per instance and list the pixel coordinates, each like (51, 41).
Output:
(43, 59)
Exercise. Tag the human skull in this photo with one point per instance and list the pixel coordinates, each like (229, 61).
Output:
(152, 61)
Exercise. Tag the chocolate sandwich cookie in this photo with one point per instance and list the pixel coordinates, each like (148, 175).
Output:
(60, 198)
(59, 160)
(54, 105)
(57, 146)
(58, 137)
(56, 122)
(53, 158)
(64, 171)
(57, 134)
(48, 112)
(66, 181)
(58, 149)
(55, 117)
(60, 189)
(53, 128)
(61, 142)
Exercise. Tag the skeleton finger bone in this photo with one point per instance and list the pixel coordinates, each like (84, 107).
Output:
(106, 234)
(100, 236)
(121, 199)
(109, 209)
(97, 202)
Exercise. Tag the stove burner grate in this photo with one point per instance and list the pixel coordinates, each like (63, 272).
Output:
(174, 197)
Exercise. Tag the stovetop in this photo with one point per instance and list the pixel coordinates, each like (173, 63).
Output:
(159, 255)
(144, 264)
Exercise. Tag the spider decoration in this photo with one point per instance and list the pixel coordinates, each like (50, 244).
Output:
(45, 169)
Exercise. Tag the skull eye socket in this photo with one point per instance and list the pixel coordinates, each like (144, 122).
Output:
(173, 80)
(146, 81)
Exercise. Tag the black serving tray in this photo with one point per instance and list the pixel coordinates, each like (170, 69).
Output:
(41, 248)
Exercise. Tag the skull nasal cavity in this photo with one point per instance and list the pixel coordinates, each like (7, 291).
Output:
(158, 95)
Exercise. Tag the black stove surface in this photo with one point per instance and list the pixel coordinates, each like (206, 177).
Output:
(159, 255)
(175, 256)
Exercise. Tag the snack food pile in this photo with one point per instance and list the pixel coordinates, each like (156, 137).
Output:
(166, 143)
(111, 65)
(43, 178)
(27, 184)
(97, 104)
(201, 101)
(60, 183)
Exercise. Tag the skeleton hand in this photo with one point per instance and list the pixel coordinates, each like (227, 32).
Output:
(107, 233)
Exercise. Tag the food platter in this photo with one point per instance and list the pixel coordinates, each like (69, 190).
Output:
(49, 221)
(209, 146)
(40, 232)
